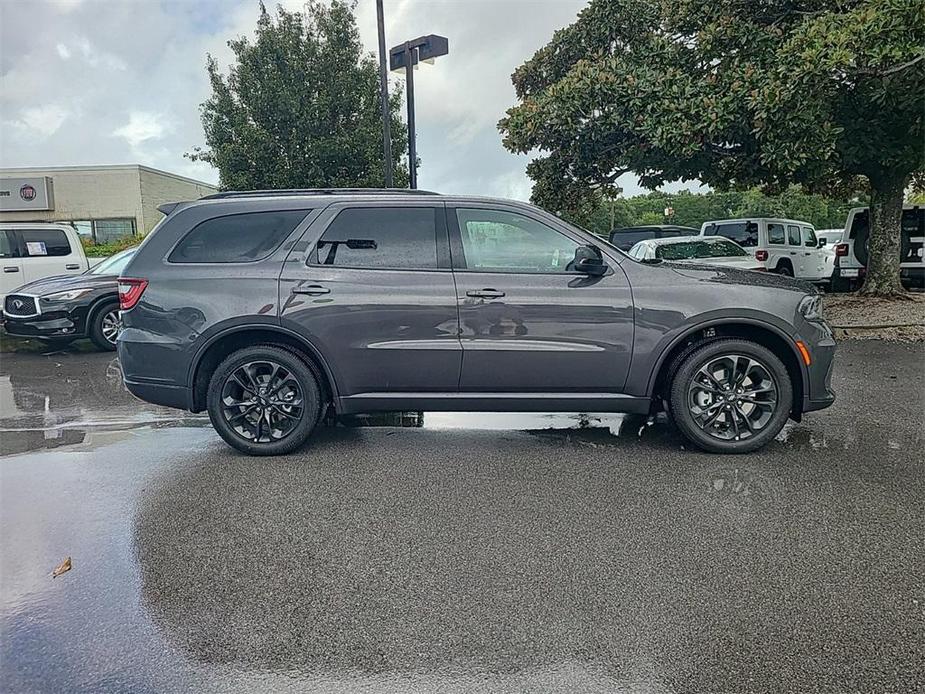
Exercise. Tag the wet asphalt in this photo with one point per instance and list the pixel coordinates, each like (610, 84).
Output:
(497, 553)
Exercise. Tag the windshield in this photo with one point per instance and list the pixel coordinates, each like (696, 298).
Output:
(113, 265)
(688, 250)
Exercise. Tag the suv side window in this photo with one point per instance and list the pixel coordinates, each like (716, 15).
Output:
(776, 234)
(498, 241)
(236, 238)
(44, 242)
(809, 238)
(8, 247)
(743, 233)
(398, 238)
(793, 234)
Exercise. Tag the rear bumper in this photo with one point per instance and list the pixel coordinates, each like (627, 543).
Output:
(178, 397)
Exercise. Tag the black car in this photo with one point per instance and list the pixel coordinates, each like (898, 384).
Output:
(273, 309)
(61, 309)
(626, 238)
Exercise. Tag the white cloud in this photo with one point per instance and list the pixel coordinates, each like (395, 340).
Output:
(39, 121)
(63, 51)
(142, 126)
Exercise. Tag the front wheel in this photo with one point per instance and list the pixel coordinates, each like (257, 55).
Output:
(731, 396)
(264, 400)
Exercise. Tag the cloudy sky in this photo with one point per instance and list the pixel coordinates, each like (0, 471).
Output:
(120, 81)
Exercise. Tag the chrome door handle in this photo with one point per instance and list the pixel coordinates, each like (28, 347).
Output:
(72, 266)
(485, 294)
(11, 269)
(311, 290)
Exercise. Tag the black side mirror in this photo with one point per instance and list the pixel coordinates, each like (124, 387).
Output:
(588, 261)
(821, 243)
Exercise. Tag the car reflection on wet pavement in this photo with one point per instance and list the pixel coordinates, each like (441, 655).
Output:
(458, 552)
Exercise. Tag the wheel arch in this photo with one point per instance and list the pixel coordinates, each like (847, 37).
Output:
(765, 334)
(219, 346)
(97, 305)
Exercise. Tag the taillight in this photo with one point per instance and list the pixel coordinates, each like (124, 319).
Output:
(761, 256)
(130, 291)
(841, 250)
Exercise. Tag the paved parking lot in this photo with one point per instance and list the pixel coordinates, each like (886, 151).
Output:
(475, 553)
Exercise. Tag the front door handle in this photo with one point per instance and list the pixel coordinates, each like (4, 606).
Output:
(10, 269)
(311, 290)
(485, 294)
(72, 266)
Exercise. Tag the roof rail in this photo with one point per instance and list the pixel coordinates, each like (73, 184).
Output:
(315, 191)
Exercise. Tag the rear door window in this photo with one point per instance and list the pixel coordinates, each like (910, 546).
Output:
(793, 234)
(238, 238)
(743, 233)
(380, 238)
(44, 242)
(776, 234)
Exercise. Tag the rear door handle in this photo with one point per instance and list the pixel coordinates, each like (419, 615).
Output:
(485, 294)
(793, 252)
(311, 290)
(11, 269)
(72, 266)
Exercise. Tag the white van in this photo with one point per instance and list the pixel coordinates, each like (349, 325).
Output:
(785, 246)
(33, 251)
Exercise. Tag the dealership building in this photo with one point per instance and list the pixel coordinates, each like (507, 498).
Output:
(102, 202)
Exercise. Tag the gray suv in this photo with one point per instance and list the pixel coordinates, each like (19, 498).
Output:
(270, 309)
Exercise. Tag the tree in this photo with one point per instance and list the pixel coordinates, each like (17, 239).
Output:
(300, 106)
(823, 93)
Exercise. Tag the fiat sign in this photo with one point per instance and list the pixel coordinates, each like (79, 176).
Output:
(26, 194)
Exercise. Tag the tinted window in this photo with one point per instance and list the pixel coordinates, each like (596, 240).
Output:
(624, 240)
(381, 237)
(913, 222)
(238, 238)
(7, 248)
(793, 234)
(496, 241)
(114, 265)
(859, 224)
(688, 250)
(41, 242)
(743, 233)
(776, 233)
(809, 237)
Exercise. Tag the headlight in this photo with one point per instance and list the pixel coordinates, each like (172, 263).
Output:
(68, 295)
(811, 307)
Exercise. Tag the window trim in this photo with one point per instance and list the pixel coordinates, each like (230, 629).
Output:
(457, 251)
(440, 238)
(306, 214)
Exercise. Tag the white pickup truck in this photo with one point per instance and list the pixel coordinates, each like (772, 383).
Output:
(33, 251)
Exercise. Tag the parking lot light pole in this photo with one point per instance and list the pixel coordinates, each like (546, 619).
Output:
(384, 100)
(406, 56)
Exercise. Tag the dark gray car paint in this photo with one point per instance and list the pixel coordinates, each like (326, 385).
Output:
(393, 339)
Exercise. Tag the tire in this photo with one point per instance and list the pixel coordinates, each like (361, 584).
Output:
(249, 426)
(726, 429)
(101, 326)
(785, 269)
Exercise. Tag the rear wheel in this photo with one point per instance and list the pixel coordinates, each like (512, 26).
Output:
(264, 400)
(731, 396)
(105, 325)
(785, 269)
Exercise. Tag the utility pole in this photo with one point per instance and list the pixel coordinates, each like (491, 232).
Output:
(384, 100)
(410, 60)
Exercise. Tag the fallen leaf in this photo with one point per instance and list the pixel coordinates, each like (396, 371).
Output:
(62, 568)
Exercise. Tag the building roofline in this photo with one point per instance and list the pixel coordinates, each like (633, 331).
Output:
(21, 170)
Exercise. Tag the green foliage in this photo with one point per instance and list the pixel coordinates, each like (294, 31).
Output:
(104, 250)
(299, 107)
(693, 209)
(737, 94)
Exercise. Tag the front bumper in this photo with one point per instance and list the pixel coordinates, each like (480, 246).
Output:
(821, 346)
(54, 325)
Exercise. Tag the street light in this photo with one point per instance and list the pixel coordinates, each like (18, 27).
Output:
(407, 55)
(384, 100)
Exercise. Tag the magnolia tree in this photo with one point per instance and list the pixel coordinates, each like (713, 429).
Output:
(299, 107)
(828, 94)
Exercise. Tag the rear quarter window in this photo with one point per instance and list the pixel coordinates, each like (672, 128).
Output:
(238, 238)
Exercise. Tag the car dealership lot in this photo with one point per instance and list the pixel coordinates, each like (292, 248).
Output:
(455, 558)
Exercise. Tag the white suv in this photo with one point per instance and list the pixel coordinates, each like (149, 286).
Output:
(851, 254)
(785, 246)
(34, 251)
